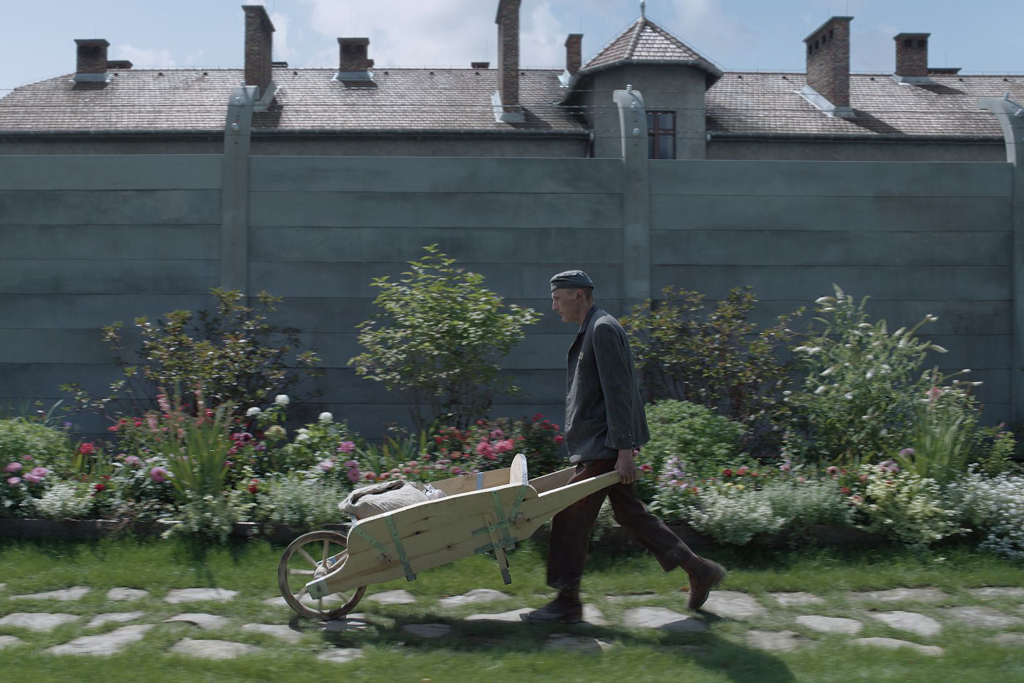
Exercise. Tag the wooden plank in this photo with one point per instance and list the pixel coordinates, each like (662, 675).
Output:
(437, 210)
(434, 174)
(111, 172)
(923, 214)
(830, 178)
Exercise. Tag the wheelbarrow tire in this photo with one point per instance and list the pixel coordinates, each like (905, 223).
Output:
(302, 561)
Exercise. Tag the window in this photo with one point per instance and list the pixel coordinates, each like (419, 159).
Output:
(661, 135)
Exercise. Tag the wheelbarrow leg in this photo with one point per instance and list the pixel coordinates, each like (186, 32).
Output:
(499, 553)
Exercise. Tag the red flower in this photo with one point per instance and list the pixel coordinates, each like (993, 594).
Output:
(87, 449)
(845, 490)
(100, 487)
(726, 473)
(254, 486)
(438, 439)
(559, 439)
(753, 474)
(113, 428)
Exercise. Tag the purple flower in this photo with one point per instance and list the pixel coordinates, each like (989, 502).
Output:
(354, 475)
(906, 452)
(346, 446)
(13, 481)
(30, 478)
(13, 467)
(132, 460)
(352, 463)
(40, 472)
(159, 475)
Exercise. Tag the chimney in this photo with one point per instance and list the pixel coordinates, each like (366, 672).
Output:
(912, 55)
(353, 53)
(91, 64)
(508, 58)
(573, 53)
(259, 48)
(828, 67)
(119, 64)
(479, 65)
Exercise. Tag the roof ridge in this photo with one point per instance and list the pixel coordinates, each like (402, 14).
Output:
(638, 29)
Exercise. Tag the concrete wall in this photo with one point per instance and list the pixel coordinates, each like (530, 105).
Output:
(855, 150)
(87, 240)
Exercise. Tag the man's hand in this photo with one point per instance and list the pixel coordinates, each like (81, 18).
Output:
(626, 466)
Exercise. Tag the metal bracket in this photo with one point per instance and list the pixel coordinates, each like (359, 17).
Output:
(401, 551)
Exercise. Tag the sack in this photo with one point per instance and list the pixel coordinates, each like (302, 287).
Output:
(379, 498)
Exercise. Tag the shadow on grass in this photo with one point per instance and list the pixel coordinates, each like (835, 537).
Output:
(707, 650)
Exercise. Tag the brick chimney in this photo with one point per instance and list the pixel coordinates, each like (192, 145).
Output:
(912, 55)
(573, 53)
(353, 55)
(259, 47)
(508, 53)
(479, 65)
(119, 64)
(91, 64)
(828, 65)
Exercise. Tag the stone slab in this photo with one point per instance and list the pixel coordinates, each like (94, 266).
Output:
(277, 630)
(123, 594)
(664, 619)
(796, 599)
(180, 595)
(982, 617)
(62, 595)
(830, 624)
(350, 622)
(340, 655)
(1011, 592)
(777, 641)
(909, 621)
(427, 630)
(398, 597)
(9, 641)
(733, 605)
(473, 597)
(564, 642)
(515, 616)
(207, 622)
(1010, 639)
(899, 594)
(592, 615)
(3, 586)
(114, 618)
(37, 621)
(893, 644)
(212, 649)
(104, 643)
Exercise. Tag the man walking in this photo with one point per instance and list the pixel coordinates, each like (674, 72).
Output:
(605, 426)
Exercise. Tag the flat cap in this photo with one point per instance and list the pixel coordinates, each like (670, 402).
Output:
(571, 279)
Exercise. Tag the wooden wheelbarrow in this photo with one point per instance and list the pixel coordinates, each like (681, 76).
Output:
(323, 574)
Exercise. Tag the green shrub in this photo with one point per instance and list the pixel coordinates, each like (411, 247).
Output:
(437, 340)
(694, 434)
(297, 500)
(863, 387)
(44, 446)
(907, 508)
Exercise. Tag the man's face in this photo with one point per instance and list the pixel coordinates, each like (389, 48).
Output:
(567, 303)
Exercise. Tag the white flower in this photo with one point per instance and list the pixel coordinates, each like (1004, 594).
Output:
(326, 417)
(829, 371)
(966, 371)
(936, 347)
(252, 412)
(898, 332)
(820, 390)
(848, 396)
(869, 374)
(302, 430)
(302, 437)
(281, 399)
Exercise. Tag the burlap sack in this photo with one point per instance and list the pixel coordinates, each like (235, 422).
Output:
(376, 499)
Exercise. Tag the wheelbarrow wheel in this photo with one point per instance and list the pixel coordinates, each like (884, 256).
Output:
(308, 557)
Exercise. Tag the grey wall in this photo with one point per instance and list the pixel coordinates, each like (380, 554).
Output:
(87, 240)
(855, 150)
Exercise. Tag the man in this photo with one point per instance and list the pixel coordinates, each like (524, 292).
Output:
(605, 426)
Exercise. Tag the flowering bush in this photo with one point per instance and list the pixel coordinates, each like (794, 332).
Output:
(729, 515)
(65, 500)
(863, 387)
(907, 508)
(210, 515)
(995, 505)
(298, 499)
(34, 444)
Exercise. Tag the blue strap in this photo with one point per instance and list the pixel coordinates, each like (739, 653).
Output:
(401, 550)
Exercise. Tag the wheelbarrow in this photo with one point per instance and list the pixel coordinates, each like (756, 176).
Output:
(323, 574)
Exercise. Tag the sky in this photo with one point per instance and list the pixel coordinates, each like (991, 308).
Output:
(37, 37)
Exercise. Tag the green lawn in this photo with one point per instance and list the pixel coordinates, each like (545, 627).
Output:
(478, 651)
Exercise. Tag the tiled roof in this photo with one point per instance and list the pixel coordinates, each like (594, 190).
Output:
(645, 41)
(769, 103)
(194, 99)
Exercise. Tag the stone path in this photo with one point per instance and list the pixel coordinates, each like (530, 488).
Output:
(868, 613)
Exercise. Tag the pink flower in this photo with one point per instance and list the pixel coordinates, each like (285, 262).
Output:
(31, 478)
(132, 460)
(13, 467)
(165, 405)
(483, 448)
(559, 439)
(785, 467)
(504, 446)
(27, 458)
(741, 471)
(497, 434)
(152, 423)
(87, 449)
(159, 475)
(801, 479)
(13, 481)
(934, 393)
(37, 474)
(353, 475)
(326, 465)
(856, 500)
(832, 471)
(368, 475)
(346, 446)
(351, 463)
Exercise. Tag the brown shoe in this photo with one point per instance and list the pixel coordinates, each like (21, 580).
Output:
(563, 609)
(703, 579)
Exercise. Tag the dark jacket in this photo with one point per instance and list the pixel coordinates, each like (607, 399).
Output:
(603, 409)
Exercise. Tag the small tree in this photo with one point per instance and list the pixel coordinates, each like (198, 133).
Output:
(232, 355)
(437, 340)
(721, 360)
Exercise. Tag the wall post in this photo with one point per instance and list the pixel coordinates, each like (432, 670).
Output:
(234, 226)
(636, 198)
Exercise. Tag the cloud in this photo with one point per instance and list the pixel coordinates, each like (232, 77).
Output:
(706, 27)
(282, 51)
(142, 58)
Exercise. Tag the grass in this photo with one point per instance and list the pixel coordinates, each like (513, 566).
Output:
(476, 651)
